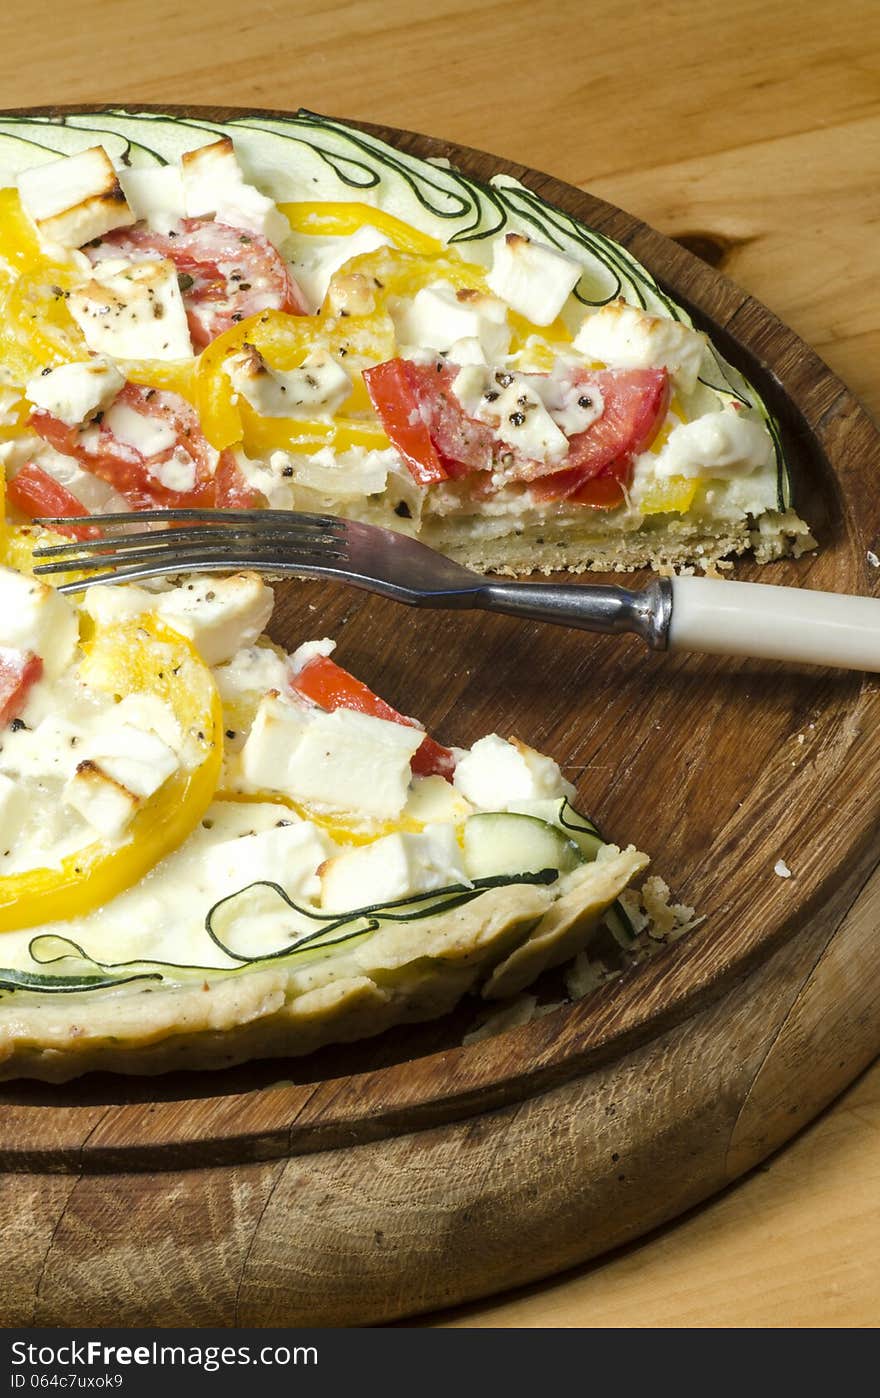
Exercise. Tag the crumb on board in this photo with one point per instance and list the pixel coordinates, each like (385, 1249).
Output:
(782, 869)
(873, 559)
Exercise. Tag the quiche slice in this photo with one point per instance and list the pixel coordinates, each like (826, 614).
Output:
(289, 313)
(213, 851)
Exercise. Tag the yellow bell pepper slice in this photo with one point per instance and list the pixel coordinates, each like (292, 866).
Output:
(265, 434)
(141, 656)
(673, 495)
(329, 218)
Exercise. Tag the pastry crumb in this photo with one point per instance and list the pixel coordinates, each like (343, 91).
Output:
(782, 869)
(873, 559)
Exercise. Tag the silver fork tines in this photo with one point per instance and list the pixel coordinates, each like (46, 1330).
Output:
(279, 542)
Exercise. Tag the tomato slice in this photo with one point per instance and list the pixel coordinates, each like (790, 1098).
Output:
(226, 273)
(635, 403)
(37, 494)
(331, 687)
(19, 670)
(212, 480)
(426, 422)
(393, 394)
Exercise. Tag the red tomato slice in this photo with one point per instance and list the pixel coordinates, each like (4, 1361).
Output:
(226, 273)
(216, 481)
(19, 670)
(393, 394)
(427, 424)
(331, 687)
(37, 495)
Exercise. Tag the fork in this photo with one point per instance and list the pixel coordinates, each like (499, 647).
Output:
(678, 613)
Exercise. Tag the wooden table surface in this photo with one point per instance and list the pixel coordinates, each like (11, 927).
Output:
(751, 132)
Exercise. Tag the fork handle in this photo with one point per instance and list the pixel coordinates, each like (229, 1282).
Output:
(711, 615)
(588, 606)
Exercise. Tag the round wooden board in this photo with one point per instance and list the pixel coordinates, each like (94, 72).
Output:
(407, 1173)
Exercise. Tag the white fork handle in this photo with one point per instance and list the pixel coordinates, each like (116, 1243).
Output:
(775, 623)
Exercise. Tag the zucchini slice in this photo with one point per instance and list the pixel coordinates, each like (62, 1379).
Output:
(502, 842)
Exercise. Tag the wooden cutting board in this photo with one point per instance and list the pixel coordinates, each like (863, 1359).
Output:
(408, 1173)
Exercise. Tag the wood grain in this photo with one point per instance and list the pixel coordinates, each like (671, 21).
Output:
(763, 154)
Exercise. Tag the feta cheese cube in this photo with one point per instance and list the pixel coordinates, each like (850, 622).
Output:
(722, 444)
(33, 616)
(289, 854)
(155, 194)
(49, 749)
(393, 867)
(75, 392)
(133, 310)
(122, 766)
(510, 404)
(467, 351)
(253, 670)
(324, 258)
(495, 773)
(104, 803)
(434, 799)
(354, 762)
(623, 337)
(534, 280)
(438, 317)
(308, 651)
(219, 615)
(135, 758)
(214, 183)
(342, 761)
(75, 199)
(268, 753)
(318, 388)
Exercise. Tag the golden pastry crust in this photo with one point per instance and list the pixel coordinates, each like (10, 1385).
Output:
(404, 972)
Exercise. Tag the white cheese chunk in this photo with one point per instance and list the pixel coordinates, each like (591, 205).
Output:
(514, 408)
(110, 605)
(268, 754)
(107, 806)
(289, 854)
(135, 758)
(214, 183)
(133, 311)
(34, 617)
(318, 387)
(393, 867)
(573, 405)
(468, 350)
(534, 280)
(219, 615)
(323, 258)
(623, 337)
(433, 799)
(176, 472)
(722, 444)
(495, 773)
(309, 651)
(148, 435)
(75, 392)
(49, 749)
(252, 671)
(342, 761)
(355, 762)
(155, 194)
(438, 317)
(75, 199)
